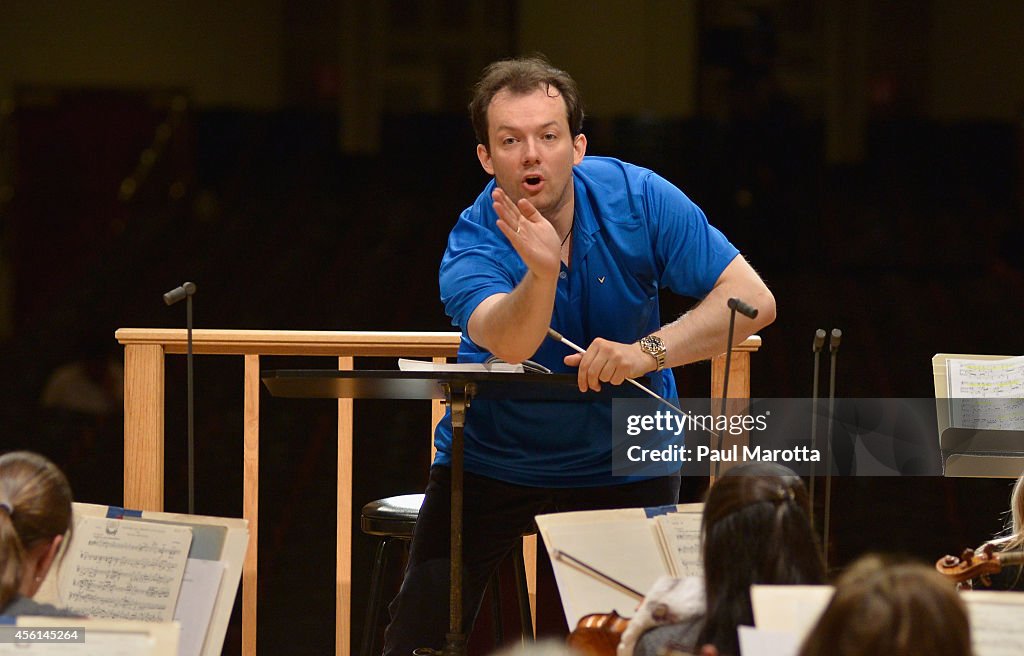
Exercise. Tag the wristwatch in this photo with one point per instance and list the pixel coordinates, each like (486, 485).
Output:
(654, 346)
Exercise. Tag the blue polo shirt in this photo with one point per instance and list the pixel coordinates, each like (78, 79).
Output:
(634, 233)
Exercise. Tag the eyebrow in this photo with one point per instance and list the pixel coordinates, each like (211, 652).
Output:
(513, 129)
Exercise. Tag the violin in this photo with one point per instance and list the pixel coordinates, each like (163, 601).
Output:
(598, 634)
(978, 564)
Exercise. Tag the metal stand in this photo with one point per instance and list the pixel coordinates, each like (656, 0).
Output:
(458, 399)
(457, 389)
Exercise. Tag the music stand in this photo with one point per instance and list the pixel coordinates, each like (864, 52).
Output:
(457, 389)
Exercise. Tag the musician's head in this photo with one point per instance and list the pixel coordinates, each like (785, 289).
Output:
(35, 515)
(755, 529)
(898, 609)
(1017, 510)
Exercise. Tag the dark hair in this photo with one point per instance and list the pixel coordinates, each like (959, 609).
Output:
(884, 608)
(35, 506)
(755, 529)
(523, 76)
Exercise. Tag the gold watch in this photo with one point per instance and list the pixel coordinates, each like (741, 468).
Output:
(654, 346)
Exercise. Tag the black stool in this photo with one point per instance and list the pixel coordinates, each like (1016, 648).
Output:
(393, 520)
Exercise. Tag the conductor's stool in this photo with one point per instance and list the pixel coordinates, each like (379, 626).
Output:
(393, 520)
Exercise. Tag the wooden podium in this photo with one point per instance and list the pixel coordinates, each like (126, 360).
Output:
(145, 349)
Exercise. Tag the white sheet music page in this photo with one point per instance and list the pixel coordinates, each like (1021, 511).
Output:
(490, 367)
(999, 380)
(626, 549)
(199, 587)
(124, 569)
(996, 627)
(789, 608)
(762, 642)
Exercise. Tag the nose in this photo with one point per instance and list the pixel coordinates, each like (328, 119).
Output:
(531, 154)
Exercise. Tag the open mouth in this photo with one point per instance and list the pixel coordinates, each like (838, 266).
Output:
(533, 182)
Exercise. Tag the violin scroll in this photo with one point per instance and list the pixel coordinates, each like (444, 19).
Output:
(971, 564)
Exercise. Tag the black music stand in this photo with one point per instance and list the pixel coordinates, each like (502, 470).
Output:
(457, 389)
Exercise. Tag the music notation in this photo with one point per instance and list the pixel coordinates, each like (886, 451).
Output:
(680, 536)
(125, 569)
(986, 394)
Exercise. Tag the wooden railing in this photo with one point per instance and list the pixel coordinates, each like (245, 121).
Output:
(144, 425)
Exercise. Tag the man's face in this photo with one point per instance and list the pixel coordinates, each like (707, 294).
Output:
(532, 151)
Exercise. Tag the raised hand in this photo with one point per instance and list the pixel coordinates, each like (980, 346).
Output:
(532, 235)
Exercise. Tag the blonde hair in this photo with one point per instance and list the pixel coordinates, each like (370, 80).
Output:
(897, 609)
(35, 506)
(1014, 537)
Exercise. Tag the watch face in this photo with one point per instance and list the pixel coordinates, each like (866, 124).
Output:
(652, 344)
(655, 347)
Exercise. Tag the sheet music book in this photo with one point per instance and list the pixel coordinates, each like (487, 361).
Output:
(979, 406)
(103, 637)
(635, 546)
(153, 566)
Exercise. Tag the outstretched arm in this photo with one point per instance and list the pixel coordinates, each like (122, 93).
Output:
(697, 335)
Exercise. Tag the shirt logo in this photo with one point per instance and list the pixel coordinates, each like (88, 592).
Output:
(601, 280)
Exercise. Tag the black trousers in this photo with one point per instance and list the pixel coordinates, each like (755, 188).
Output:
(495, 515)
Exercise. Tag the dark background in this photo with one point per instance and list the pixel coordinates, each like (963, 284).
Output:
(308, 159)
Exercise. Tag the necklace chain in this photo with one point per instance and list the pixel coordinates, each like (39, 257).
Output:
(569, 234)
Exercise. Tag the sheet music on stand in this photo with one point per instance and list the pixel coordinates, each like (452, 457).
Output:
(152, 566)
(979, 405)
(633, 545)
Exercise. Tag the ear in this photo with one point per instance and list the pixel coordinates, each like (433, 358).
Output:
(579, 148)
(485, 158)
(37, 565)
(47, 558)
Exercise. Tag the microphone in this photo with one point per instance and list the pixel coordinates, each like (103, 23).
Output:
(745, 309)
(186, 291)
(819, 340)
(833, 342)
(178, 293)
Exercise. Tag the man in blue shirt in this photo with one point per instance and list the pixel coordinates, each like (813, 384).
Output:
(580, 244)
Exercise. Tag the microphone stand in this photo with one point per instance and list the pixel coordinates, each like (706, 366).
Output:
(819, 342)
(186, 291)
(735, 305)
(833, 347)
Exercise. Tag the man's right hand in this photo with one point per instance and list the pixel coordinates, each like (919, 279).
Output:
(532, 235)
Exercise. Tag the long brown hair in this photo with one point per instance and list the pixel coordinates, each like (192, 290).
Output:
(35, 506)
(756, 529)
(896, 609)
